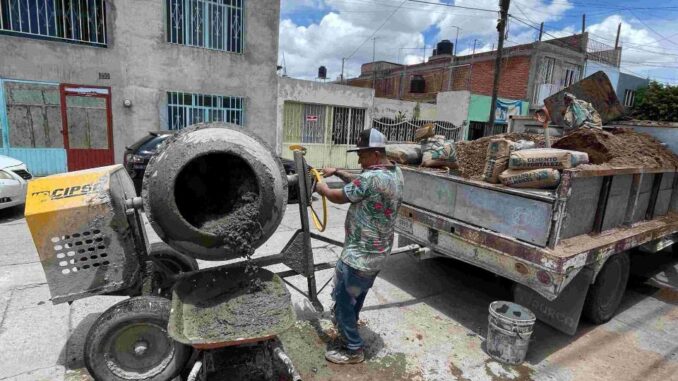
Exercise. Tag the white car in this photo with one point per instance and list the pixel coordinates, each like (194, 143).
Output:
(14, 178)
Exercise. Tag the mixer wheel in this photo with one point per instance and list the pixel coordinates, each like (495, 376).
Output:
(172, 261)
(130, 342)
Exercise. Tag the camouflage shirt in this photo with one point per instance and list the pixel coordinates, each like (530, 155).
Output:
(375, 197)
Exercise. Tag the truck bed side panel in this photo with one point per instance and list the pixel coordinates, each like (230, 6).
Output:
(519, 217)
(581, 207)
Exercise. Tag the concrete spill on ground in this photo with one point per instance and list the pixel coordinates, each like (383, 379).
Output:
(307, 350)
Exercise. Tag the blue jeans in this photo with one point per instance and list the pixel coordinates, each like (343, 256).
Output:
(350, 290)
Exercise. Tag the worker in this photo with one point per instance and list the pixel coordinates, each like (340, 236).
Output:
(579, 113)
(375, 196)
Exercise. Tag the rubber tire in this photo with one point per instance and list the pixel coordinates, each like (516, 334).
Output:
(599, 307)
(174, 259)
(131, 311)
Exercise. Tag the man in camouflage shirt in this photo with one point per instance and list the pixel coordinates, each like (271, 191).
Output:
(375, 196)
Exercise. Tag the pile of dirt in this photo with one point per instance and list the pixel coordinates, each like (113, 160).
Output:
(471, 154)
(619, 148)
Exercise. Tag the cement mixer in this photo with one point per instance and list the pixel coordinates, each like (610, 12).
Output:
(212, 192)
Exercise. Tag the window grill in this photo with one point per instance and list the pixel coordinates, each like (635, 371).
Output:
(185, 109)
(78, 21)
(212, 24)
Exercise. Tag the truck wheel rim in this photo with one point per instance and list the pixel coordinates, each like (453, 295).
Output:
(138, 351)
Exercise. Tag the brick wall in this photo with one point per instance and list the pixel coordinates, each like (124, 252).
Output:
(515, 73)
(513, 84)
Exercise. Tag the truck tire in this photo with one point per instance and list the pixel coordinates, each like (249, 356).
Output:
(606, 293)
(129, 341)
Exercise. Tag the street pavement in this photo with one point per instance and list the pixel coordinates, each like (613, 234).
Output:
(425, 320)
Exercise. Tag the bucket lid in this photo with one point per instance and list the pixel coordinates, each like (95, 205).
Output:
(512, 311)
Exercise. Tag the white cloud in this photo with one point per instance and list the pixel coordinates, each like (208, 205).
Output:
(642, 52)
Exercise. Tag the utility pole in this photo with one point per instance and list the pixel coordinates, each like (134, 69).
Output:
(616, 42)
(374, 65)
(501, 28)
(343, 61)
(541, 31)
(583, 23)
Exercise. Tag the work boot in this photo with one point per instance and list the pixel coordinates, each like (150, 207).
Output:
(345, 356)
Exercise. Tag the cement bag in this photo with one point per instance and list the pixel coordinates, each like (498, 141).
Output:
(404, 153)
(547, 158)
(438, 152)
(542, 178)
(497, 157)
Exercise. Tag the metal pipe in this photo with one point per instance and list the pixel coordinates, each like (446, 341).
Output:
(288, 363)
(193, 376)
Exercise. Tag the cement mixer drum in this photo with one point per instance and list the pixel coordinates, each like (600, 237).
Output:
(215, 191)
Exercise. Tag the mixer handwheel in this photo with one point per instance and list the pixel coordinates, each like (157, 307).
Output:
(130, 342)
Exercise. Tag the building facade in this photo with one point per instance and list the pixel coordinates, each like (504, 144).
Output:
(529, 72)
(82, 79)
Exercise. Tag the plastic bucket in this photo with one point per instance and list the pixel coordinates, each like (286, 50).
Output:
(509, 330)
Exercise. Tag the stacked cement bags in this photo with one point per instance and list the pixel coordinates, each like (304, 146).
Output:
(497, 158)
(404, 153)
(539, 168)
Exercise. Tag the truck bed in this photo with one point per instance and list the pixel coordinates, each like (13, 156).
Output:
(541, 239)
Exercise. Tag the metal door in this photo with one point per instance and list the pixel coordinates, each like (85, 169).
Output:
(31, 125)
(87, 126)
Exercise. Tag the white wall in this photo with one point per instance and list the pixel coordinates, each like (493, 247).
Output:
(453, 107)
(390, 108)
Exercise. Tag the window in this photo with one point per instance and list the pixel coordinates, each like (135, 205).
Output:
(186, 109)
(629, 97)
(212, 24)
(347, 122)
(80, 21)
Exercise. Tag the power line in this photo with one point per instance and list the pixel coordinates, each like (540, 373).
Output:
(651, 29)
(455, 6)
(377, 30)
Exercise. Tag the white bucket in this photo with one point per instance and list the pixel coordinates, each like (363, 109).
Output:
(508, 333)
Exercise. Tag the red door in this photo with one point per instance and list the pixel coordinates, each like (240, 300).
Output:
(87, 126)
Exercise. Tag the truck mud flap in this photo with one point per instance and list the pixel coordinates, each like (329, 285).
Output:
(562, 313)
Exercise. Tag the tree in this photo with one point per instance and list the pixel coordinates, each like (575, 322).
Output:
(656, 102)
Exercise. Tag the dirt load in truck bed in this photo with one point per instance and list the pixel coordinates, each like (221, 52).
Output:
(617, 148)
(620, 147)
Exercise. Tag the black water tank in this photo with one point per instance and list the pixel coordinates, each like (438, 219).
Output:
(322, 72)
(435, 52)
(418, 84)
(445, 47)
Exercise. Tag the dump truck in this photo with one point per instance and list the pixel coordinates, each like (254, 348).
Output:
(567, 249)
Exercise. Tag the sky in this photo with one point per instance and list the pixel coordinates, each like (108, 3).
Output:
(322, 32)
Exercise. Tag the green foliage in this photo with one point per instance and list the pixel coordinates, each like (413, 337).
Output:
(656, 102)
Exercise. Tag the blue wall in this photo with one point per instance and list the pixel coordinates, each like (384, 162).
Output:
(629, 82)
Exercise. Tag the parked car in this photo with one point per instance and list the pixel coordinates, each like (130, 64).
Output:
(138, 155)
(14, 178)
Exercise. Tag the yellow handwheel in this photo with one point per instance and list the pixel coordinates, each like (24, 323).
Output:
(318, 177)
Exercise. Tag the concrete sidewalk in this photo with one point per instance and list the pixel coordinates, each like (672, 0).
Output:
(425, 321)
